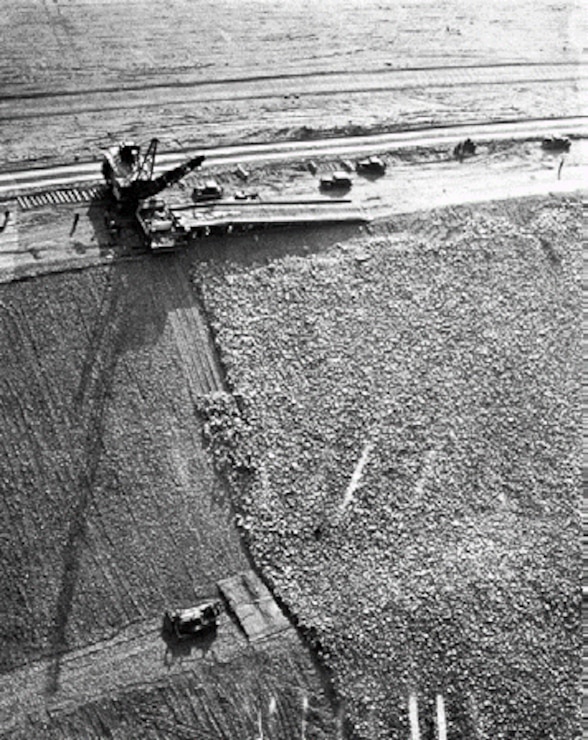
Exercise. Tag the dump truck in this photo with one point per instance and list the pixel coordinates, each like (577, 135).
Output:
(129, 176)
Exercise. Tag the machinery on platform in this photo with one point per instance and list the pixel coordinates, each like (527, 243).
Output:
(555, 143)
(131, 181)
(129, 176)
(165, 227)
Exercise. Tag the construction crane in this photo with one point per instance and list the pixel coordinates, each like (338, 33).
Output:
(129, 176)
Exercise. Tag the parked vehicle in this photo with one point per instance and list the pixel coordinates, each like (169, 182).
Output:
(336, 181)
(186, 623)
(372, 165)
(556, 143)
(465, 148)
(211, 190)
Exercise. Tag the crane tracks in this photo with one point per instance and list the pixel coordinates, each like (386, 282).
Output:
(62, 196)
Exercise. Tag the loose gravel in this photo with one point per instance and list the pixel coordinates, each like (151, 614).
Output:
(404, 448)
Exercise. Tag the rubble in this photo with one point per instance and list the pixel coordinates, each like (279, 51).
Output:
(460, 366)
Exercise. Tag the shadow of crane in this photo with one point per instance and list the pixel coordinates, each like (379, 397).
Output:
(125, 320)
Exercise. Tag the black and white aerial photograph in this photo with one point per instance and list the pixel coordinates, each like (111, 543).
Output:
(291, 369)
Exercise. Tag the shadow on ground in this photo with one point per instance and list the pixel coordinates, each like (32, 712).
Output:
(131, 312)
(177, 650)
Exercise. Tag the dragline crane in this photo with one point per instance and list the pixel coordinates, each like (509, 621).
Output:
(129, 176)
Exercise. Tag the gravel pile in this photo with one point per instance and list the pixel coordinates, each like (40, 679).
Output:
(409, 466)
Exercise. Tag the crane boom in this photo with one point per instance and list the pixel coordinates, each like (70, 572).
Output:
(130, 178)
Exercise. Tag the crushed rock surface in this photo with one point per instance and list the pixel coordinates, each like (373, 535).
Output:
(403, 443)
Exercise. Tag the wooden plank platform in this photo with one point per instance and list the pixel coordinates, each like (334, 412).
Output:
(254, 606)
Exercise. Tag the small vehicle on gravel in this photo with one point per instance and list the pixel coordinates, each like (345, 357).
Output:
(211, 190)
(186, 623)
(465, 148)
(372, 166)
(336, 181)
(555, 143)
(243, 195)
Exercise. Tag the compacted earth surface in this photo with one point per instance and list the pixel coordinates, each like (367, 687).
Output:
(77, 76)
(404, 450)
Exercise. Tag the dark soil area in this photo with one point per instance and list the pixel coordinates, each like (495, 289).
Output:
(111, 510)
(274, 688)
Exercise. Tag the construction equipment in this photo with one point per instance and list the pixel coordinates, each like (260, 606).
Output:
(166, 227)
(556, 143)
(129, 176)
(186, 623)
(372, 166)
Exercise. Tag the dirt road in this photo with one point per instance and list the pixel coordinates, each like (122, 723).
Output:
(136, 659)
(91, 73)
(89, 172)
(39, 105)
(41, 240)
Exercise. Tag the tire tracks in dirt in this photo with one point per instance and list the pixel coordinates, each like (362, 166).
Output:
(195, 683)
(191, 334)
(455, 71)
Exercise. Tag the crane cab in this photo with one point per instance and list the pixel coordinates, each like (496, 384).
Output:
(123, 167)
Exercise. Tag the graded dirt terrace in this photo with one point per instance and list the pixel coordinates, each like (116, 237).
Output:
(79, 76)
(100, 375)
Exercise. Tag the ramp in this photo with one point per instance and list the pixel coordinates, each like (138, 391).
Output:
(254, 606)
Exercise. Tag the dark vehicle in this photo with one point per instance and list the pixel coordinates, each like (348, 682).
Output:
(336, 181)
(372, 165)
(465, 148)
(556, 143)
(211, 190)
(186, 623)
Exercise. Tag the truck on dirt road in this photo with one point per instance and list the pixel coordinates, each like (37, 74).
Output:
(186, 623)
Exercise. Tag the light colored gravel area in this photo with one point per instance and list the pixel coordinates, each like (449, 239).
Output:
(404, 446)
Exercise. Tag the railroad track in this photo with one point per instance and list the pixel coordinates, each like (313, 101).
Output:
(61, 196)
